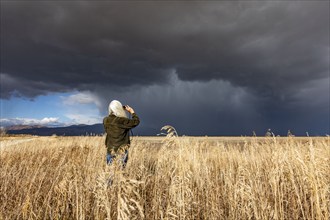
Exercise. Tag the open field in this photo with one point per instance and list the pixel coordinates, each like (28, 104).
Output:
(166, 178)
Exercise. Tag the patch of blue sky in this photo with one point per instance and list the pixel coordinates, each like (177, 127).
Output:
(39, 107)
(69, 108)
(81, 108)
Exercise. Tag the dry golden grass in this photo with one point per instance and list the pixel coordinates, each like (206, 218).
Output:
(178, 178)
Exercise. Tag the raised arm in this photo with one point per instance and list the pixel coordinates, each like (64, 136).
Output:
(128, 123)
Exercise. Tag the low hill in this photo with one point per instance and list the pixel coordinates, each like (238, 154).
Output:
(73, 130)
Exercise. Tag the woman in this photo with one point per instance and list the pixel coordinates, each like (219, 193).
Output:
(117, 126)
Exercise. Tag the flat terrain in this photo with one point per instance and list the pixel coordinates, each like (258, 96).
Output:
(13, 140)
(166, 178)
(9, 141)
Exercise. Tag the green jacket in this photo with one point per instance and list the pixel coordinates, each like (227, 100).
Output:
(117, 129)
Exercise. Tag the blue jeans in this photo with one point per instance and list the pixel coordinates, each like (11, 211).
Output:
(123, 160)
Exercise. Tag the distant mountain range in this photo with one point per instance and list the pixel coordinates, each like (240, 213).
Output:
(73, 130)
(21, 127)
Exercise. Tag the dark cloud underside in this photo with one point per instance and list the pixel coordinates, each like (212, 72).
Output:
(271, 50)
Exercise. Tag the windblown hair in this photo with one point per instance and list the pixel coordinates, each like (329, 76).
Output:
(116, 108)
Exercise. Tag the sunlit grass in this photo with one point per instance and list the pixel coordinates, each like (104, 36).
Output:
(178, 178)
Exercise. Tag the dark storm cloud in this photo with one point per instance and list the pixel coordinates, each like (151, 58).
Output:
(270, 50)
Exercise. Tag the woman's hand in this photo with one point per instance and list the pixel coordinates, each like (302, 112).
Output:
(129, 109)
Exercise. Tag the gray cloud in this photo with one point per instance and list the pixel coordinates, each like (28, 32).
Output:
(268, 52)
(198, 108)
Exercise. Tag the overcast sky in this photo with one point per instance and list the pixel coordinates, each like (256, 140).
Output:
(206, 68)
